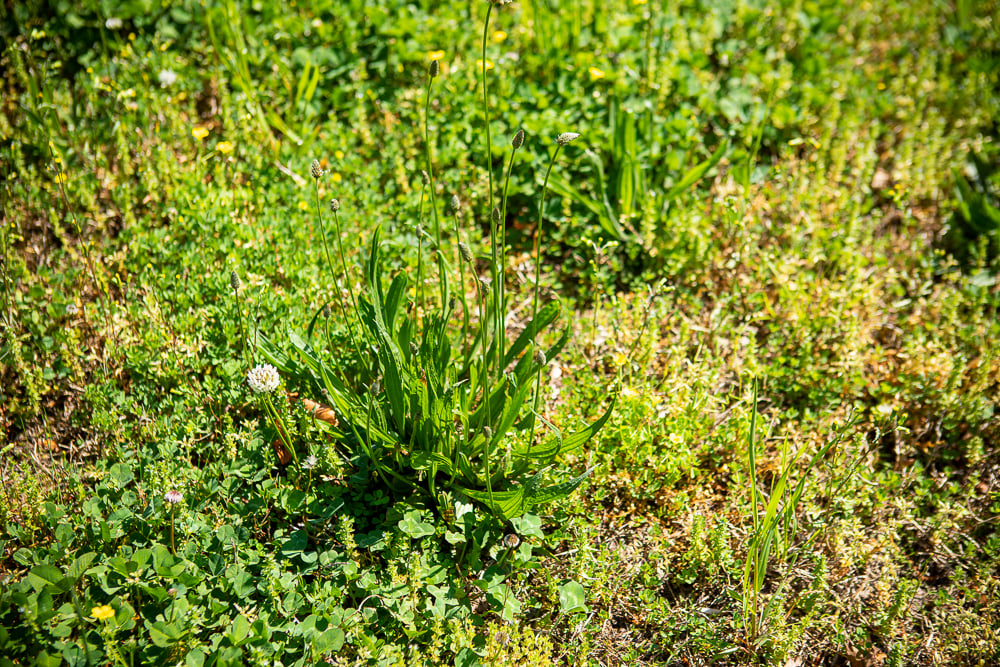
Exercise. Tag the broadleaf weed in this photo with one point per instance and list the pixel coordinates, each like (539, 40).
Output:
(440, 408)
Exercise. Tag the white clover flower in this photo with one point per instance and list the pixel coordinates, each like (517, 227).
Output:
(173, 497)
(113, 23)
(263, 378)
(310, 462)
(167, 77)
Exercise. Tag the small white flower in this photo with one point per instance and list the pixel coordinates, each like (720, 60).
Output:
(173, 497)
(167, 77)
(309, 463)
(263, 378)
(566, 137)
(113, 23)
(885, 410)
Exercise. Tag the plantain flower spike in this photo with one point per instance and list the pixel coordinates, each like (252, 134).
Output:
(435, 68)
(518, 139)
(234, 281)
(334, 205)
(466, 253)
(566, 137)
(316, 169)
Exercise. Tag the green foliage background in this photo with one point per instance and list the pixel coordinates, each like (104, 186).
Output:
(840, 248)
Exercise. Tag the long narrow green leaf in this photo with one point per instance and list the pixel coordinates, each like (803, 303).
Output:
(546, 316)
(696, 173)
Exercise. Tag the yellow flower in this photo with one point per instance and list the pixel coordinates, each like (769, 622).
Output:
(336, 178)
(479, 64)
(435, 55)
(638, 2)
(303, 206)
(338, 154)
(102, 613)
(676, 438)
(199, 132)
(224, 147)
(596, 74)
(60, 178)
(499, 36)
(619, 359)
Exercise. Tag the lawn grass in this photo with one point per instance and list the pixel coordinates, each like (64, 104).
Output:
(774, 243)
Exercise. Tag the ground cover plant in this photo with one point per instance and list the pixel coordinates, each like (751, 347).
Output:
(624, 333)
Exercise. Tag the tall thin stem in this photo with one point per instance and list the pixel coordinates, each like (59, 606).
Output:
(496, 269)
(486, 119)
(333, 271)
(487, 431)
(538, 274)
(500, 295)
(343, 262)
(538, 238)
(429, 169)
(459, 252)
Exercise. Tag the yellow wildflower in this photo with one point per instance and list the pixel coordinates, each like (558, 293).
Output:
(435, 55)
(336, 178)
(199, 132)
(59, 178)
(102, 613)
(499, 36)
(224, 147)
(338, 154)
(596, 74)
(479, 64)
(676, 439)
(303, 206)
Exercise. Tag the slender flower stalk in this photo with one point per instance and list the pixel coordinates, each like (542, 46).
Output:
(420, 268)
(236, 284)
(461, 257)
(561, 141)
(481, 294)
(489, 141)
(317, 172)
(499, 287)
(429, 171)
(173, 497)
(335, 206)
(263, 380)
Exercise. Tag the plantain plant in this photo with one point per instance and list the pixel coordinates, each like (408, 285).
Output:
(442, 400)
